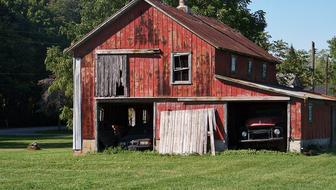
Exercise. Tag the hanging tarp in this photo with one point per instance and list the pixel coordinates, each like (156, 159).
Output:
(187, 131)
(111, 76)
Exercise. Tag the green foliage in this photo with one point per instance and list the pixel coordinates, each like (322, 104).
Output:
(295, 64)
(237, 15)
(279, 49)
(60, 65)
(332, 63)
(25, 32)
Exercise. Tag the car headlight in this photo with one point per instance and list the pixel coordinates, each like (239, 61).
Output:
(244, 134)
(144, 143)
(277, 131)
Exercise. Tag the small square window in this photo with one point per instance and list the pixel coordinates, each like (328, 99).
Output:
(249, 68)
(264, 71)
(310, 112)
(233, 63)
(181, 68)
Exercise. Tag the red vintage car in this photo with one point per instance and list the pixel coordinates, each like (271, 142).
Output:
(262, 129)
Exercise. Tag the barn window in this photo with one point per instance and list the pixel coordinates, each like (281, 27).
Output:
(264, 70)
(310, 112)
(233, 63)
(131, 117)
(249, 68)
(181, 68)
(145, 116)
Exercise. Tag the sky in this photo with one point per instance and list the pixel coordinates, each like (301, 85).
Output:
(299, 22)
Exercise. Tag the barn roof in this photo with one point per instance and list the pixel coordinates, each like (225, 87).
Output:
(278, 89)
(212, 31)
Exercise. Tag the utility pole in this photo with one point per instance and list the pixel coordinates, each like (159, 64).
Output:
(327, 75)
(313, 65)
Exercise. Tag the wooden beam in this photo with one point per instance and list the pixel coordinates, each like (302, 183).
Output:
(298, 94)
(128, 51)
(288, 125)
(195, 99)
(234, 99)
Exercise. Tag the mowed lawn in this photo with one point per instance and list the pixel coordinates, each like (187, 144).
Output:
(55, 167)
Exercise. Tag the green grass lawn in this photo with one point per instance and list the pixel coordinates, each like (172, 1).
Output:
(54, 167)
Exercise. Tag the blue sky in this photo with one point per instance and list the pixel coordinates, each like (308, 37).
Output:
(299, 22)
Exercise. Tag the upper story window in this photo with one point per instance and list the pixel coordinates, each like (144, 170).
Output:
(233, 63)
(310, 112)
(181, 68)
(264, 70)
(249, 68)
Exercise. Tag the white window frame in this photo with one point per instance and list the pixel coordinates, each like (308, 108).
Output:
(250, 67)
(233, 64)
(173, 55)
(264, 71)
(310, 112)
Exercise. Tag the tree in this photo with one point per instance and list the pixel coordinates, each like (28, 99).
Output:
(26, 28)
(236, 14)
(295, 65)
(332, 54)
(279, 49)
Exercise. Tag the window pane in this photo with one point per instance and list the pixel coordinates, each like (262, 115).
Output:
(131, 117)
(177, 76)
(264, 70)
(177, 62)
(185, 75)
(249, 67)
(233, 63)
(184, 61)
(144, 116)
(310, 112)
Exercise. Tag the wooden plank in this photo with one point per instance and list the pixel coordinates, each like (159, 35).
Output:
(288, 125)
(226, 136)
(129, 51)
(77, 101)
(212, 140)
(154, 125)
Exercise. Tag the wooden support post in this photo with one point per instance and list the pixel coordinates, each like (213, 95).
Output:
(154, 126)
(288, 125)
(313, 66)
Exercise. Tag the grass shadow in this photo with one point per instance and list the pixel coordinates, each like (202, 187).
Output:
(21, 142)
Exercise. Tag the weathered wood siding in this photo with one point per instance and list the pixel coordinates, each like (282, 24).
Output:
(147, 27)
(320, 127)
(169, 106)
(296, 118)
(87, 79)
(223, 67)
(111, 73)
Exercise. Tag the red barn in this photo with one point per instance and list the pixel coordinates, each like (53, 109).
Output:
(149, 59)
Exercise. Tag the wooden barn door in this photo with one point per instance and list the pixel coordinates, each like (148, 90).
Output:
(112, 76)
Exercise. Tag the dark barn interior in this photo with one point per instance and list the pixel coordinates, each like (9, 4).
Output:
(120, 123)
(242, 114)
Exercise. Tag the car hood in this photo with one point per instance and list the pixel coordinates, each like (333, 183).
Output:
(262, 122)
